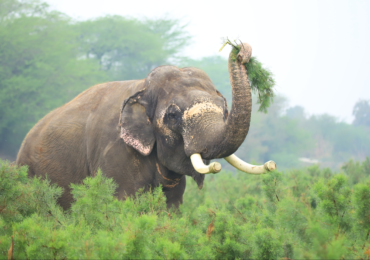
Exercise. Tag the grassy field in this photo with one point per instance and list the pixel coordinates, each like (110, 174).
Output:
(308, 213)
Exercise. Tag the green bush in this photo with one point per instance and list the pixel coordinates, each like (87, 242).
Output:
(311, 213)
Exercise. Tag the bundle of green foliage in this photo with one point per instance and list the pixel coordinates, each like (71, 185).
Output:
(260, 78)
(310, 213)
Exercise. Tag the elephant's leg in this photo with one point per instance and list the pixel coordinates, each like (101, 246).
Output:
(66, 199)
(174, 194)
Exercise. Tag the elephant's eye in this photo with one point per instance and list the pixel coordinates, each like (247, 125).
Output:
(171, 116)
(173, 119)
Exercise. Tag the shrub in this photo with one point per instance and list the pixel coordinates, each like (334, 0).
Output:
(302, 214)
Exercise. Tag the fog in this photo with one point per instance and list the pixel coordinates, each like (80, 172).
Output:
(318, 50)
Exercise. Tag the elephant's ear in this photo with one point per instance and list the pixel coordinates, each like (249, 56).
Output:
(136, 128)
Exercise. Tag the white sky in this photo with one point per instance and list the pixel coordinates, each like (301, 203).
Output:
(318, 49)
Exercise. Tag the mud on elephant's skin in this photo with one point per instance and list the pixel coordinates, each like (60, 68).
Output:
(142, 133)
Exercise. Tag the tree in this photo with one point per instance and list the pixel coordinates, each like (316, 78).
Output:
(39, 69)
(46, 59)
(128, 48)
(361, 112)
(296, 112)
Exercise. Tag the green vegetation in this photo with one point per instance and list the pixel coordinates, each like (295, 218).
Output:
(127, 49)
(39, 69)
(261, 79)
(262, 83)
(310, 213)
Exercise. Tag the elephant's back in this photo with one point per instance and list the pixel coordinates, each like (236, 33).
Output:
(57, 144)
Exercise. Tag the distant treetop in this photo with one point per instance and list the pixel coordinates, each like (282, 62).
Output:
(361, 112)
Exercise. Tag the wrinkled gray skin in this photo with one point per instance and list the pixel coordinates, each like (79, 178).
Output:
(141, 132)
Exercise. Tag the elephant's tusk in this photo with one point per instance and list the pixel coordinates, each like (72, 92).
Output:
(249, 168)
(199, 166)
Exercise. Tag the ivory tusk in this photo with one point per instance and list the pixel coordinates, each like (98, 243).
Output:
(249, 168)
(200, 167)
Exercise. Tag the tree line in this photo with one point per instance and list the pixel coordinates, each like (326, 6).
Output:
(47, 58)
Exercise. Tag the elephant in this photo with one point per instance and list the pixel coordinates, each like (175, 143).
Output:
(145, 133)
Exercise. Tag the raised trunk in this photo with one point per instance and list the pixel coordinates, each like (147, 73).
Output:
(237, 124)
(226, 137)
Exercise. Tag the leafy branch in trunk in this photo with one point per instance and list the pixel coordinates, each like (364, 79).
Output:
(260, 78)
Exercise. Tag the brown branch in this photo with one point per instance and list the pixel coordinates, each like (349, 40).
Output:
(336, 208)
(367, 236)
(240, 213)
(210, 229)
(10, 251)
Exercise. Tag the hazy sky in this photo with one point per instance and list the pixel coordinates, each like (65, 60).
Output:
(318, 50)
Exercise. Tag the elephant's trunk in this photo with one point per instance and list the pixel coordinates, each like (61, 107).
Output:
(237, 124)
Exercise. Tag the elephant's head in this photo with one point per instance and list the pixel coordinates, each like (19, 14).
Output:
(180, 113)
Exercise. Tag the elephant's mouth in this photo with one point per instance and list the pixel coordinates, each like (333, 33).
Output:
(215, 167)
